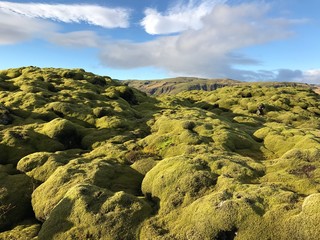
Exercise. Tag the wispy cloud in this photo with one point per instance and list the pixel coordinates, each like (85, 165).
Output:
(14, 29)
(91, 14)
(23, 21)
(179, 17)
(75, 39)
(211, 50)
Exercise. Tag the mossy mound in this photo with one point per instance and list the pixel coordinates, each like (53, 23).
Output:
(5, 117)
(100, 172)
(41, 165)
(15, 199)
(19, 141)
(90, 212)
(85, 157)
(27, 229)
(305, 225)
(63, 131)
(143, 166)
(298, 170)
(178, 181)
(279, 139)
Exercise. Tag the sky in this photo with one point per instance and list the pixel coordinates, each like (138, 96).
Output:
(249, 40)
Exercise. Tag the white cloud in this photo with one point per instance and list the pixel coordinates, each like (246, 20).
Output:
(178, 18)
(210, 51)
(17, 28)
(91, 14)
(312, 76)
(23, 21)
(75, 39)
(14, 29)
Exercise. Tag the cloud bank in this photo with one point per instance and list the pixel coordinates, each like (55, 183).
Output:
(208, 51)
(209, 35)
(90, 14)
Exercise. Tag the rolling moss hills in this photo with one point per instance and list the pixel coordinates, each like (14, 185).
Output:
(84, 157)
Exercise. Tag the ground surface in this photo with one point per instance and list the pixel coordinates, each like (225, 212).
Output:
(84, 157)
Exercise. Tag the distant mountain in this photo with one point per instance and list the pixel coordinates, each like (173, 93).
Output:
(175, 85)
(172, 86)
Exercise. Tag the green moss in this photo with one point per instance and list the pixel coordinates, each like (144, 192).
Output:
(5, 116)
(76, 75)
(41, 165)
(95, 138)
(111, 122)
(25, 230)
(15, 195)
(123, 92)
(99, 172)
(235, 167)
(208, 165)
(279, 140)
(79, 114)
(64, 131)
(226, 216)
(89, 212)
(252, 107)
(101, 112)
(144, 165)
(109, 150)
(189, 179)
(297, 170)
(18, 142)
(305, 225)
(13, 73)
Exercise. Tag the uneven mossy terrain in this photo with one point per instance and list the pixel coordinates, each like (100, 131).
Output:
(84, 157)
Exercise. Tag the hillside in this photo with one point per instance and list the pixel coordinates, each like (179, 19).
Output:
(84, 157)
(171, 86)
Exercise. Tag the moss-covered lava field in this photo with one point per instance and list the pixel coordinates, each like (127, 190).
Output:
(84, 157)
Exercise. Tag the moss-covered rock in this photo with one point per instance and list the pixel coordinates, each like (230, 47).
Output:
(100, 172)
(41, 165)
(305, 224)
(90, 212)
(27, 229)
(123, 92)
(144, 165)
(297, 170)
(5, 117)
(63, 131)
(279, 139)
(177, 181)
(15, 199)
(17, 142)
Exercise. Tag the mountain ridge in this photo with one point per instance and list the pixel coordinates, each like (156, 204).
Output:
(173, 86)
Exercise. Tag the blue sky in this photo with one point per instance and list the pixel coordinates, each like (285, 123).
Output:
(251, 40)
